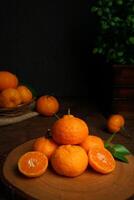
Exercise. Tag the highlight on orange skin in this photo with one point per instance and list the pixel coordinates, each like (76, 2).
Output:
(33, 164)
(45, 145)
(69, 130)
(101, 160)
(92, 141)
(115, 123)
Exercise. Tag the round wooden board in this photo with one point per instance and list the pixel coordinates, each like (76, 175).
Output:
(90, 185)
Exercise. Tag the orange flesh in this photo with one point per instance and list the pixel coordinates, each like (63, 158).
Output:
(33, 164)
(101, 160)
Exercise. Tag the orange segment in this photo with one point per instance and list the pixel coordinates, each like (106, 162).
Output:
(101, 160)
(33, 164)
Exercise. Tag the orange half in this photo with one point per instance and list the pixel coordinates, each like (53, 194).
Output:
(101, 160)
(33, 164)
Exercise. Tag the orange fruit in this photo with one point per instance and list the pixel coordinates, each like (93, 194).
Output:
(33, 164)
(45, 145)
(10, 98)
(47, 105)
(25, 93)
(69, 130)
(101, 160)
(69, 160)
(7, 80)
(115, 122)
(92, 141)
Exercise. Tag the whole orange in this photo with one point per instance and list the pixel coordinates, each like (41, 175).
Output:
(45, 145)
(47, 105)
(92, 141)
(25, 93)
(69, 130)
(10, 98)
(7, 80)
(115, 122)
(69, 160)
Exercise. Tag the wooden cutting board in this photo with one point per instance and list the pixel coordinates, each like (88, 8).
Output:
(90, 185)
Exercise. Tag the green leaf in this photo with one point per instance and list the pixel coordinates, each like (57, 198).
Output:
(94, 9)
(118, 151)
(119, 2)
(131, 40)
(99, 12)
(120, 53)
(121, 149)
(120, 157)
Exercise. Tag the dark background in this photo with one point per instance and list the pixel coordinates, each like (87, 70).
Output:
(49, 45)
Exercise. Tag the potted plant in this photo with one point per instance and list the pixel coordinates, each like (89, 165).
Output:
(115, 38)
(115, 41)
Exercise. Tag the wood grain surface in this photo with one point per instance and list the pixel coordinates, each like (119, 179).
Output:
(90, 185)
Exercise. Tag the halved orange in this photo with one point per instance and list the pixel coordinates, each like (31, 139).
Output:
(101, 160)
(33, 164)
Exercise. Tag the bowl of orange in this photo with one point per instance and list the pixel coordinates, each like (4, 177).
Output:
(14, 97)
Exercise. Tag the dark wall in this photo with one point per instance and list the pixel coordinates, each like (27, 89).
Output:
(49, 46)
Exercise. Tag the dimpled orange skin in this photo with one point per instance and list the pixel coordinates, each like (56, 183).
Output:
(10, 98)
(92, 141)
(69, 160)
(47, 105)
(115, 122)
(25, 93)
(7, 80)
(69, 130)
(32, 164)
(101, 160)
(45, 145)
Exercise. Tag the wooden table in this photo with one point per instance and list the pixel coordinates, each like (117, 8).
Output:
(14, 135)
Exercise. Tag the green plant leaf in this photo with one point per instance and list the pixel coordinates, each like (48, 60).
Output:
(119, 2)
(120, 157)
(118, 151)
(121, 149)
(120, 53)
(131, 40)
(94, 9)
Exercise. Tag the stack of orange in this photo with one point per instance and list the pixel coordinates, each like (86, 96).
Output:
(70, 150)
(11, 93)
